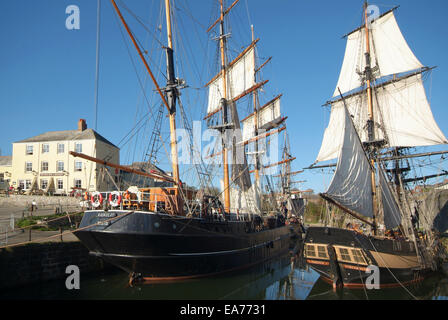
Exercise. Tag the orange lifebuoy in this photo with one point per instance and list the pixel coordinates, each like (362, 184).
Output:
(96, 203)
(115, 202)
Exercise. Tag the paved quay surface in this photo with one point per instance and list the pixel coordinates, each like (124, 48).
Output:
(18, 206)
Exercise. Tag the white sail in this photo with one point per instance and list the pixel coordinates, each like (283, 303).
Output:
(269, 114)
(401, 108)
(391, 211)
(389, 52)
(248, 128)
(406, 114)
(333, 134)
(351, 184)
(268, 118)
(240, 77)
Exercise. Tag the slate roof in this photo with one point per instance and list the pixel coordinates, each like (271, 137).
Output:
(68, 135)
(146, 167)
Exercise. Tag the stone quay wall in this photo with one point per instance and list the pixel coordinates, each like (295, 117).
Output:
(24, 201)
(39, 262)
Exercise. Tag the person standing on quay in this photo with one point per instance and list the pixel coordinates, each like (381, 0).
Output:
(33, 206)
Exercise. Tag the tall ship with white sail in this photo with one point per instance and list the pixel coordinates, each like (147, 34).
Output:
(179, 231)
(379, 115)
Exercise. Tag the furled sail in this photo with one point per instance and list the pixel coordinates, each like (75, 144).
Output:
(400, 107)
(351, 185)
(240, 77)
(391, 211)
(269, 117)
(390, 53)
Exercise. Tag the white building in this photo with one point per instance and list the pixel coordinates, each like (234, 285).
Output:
(443, 185)
(43, 162)
(5, 171)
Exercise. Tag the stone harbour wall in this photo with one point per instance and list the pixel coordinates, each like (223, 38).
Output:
(40, 262)
(41, 201)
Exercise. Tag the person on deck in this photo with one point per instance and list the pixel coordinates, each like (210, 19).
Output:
(415, 219)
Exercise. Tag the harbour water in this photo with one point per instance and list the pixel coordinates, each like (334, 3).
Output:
(274, 280)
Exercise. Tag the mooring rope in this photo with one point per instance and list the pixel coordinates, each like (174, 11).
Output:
(362, 281)
(393, 275)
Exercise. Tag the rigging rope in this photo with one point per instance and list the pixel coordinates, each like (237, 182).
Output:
(139, 20)
(385, 264)
(97, 62)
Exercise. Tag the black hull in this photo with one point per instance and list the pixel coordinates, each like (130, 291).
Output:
(164, 247)
(396, 260)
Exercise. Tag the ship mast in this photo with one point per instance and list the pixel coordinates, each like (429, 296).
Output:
(234, 81)
(370, 122)
(171, 91)
(390, 77)
(222, 43)
(255, 94)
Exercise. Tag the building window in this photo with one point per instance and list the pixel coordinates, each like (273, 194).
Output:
(27, 184)
(29, 149)
(21, 184)
(60, 184)
(43, 184)
(28, 166)
(61, 148)
(78, 166)
(59, 166)
(45, 148)
(44, 166)
(2, 177)
(78, 183)
(78, 147)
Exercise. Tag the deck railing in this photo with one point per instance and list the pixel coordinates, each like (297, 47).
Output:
(155, 202)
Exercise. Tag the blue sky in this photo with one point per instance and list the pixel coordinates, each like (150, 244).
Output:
(47, 74)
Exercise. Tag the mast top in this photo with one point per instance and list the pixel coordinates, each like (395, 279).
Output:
(168, 23)
(363, 26)
(223, 14)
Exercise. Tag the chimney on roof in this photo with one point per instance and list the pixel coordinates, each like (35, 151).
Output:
(82, 125)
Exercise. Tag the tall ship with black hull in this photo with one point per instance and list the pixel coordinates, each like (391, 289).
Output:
(177, 232)
(379, 115)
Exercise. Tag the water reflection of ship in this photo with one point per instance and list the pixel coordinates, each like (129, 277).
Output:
(253, 283)
(296, 286)
(441, 292)
(276, 279)
(432, 288)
